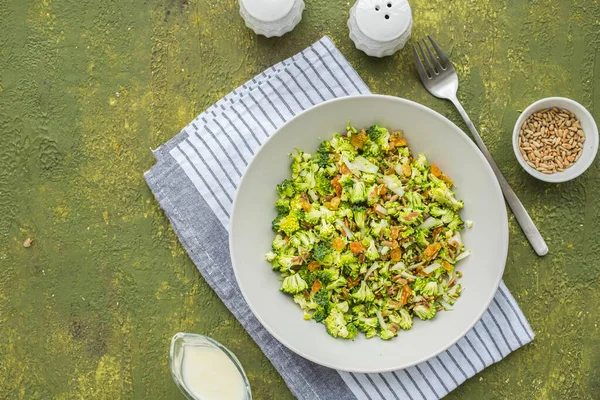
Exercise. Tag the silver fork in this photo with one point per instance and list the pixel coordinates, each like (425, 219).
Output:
(441, 80)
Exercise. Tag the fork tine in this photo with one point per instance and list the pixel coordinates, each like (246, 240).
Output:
(445, 60)
(420, 66)
(438, 67)
(430, 69)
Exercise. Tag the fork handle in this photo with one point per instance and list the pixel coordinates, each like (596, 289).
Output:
(527, 225)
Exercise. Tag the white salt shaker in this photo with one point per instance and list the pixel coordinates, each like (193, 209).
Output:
(271, 17)
(380, 27)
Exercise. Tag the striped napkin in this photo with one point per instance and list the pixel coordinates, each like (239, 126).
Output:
(195, 178)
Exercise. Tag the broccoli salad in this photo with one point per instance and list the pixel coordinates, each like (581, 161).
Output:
(367, 236)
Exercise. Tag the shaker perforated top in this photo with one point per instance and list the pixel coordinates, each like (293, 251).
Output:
(380, 27)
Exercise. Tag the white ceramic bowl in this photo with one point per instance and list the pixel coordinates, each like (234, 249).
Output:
(590, 146)
(444, 144)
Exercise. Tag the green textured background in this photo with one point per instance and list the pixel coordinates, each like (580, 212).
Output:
(88, 87)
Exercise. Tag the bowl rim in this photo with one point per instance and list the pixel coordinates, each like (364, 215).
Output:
(486, 303)
(580, 165)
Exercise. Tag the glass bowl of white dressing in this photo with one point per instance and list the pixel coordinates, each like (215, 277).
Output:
(204, 369)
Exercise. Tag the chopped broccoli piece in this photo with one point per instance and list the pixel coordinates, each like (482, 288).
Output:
(286, 188)
(337, 327)
(293, 284)
(364, 293)
(424, 311)
(288, 224)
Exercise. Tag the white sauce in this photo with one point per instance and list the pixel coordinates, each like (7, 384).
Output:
(210, 375)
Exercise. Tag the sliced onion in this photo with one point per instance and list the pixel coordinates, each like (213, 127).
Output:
(383, 250)
(370, 270)
(415, 266)
(381, 321)
(463, 255)
(393, 186)
(350, 166)
(430, 223)
(313, 195)
(456, 238)
(361, 164)
(381, 209)
(347, 230)
(399, 266)
(430, 268)
(406, 275)
(398, 169)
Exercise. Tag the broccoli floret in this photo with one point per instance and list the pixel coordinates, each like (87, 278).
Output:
(322, 299)
(321, 251)
(351, 270)
(424, 312)
(320, 314)
(371, 149)
(343, 146)
(343, 306)
(352, 331)
(304, 239)
(438, 211)
(337, 327)
(306, 303)
(323, 185)
(360, 216)
(430, 289)
(270, 256)
(365, 323)
(370, 333)
(409, 217)
(288, 224)
(309, 277)
(364, 293)
(380, 136)
(358, 193)
(421, 163)
(372, 253)
(275, 222)
(282, 205)
(402, 318)
(313, 215)
(293, 284)
(326, 230)
(377, 226)
(456, 223)
(324, 276)
(339, 282)
(373, 195)
(288, 261)
(322, 156)
(286, 188)
(350, 128)
(414, 200)
(348, 258)
(421, 238)
(279, 243)
(387, 334)
(392, 207)
(333, 272)
(446, 197)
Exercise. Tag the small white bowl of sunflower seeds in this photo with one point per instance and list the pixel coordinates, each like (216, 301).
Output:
(555, 139)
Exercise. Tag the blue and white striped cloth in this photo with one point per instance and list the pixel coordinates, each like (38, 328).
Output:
(195, 178)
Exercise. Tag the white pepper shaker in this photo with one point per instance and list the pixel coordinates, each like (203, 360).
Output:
(271, 17)
(380, 27)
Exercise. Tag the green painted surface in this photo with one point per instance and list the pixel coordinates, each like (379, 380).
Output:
(88, 87)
